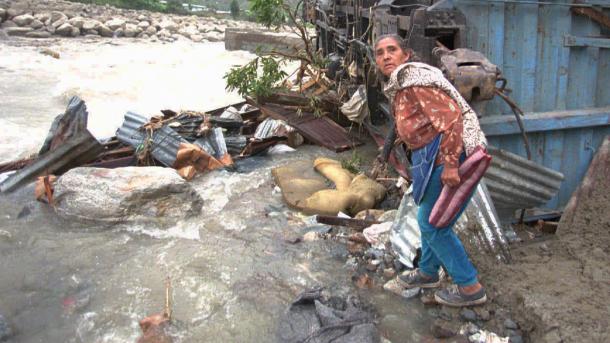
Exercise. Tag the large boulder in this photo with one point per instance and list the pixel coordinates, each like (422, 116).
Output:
(65, 30)
(131, 194)
(169, 25)
(36, 24)
(151, 30)
(115, 24)
(56, 15)
(91, 24)
(105, 31)
(18, 31)
(8, 23)
(131, 30)
(23, 20)
(77, 22)
(38, 34)
(56, 24)
(2, 14)
(144, 25)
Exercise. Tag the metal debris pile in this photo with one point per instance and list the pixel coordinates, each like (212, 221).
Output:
(190, 142)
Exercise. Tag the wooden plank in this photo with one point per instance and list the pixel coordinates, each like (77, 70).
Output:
(564, 21)
(582, 82)
(528, 15)
(602, 96)
(511, 51)
(553, 150)
(546, 121)
(552, 24)
(496, 51)
(590, 42)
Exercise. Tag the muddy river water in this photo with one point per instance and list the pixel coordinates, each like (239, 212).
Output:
(232, 271)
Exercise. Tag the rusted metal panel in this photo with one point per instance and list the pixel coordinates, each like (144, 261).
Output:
(66, 125)
(319, 130)
(76, 151)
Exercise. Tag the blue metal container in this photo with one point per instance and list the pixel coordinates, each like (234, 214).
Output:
(556, 62)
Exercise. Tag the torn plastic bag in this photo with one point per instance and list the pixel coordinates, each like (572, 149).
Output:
(356, 108)
(313, 318)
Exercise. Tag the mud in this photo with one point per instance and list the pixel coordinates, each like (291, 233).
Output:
(558, 286)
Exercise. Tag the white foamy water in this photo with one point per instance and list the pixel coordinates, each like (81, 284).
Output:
(112, 76)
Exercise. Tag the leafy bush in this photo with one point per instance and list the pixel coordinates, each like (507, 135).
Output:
(260, 77)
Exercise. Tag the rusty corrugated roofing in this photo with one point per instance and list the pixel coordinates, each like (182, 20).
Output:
(319, 130)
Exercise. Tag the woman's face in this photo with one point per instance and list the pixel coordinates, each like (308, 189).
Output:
(389, 55)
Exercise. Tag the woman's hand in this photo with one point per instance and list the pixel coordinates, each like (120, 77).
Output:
(450, 177)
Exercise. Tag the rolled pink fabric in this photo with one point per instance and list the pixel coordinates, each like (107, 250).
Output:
(452, 199)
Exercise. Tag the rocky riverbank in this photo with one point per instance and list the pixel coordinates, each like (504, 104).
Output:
(48, 18)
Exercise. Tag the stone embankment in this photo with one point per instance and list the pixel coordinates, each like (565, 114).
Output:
(47, 18)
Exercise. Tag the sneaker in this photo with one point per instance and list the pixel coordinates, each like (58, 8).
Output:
(414, 278)
(452, 296)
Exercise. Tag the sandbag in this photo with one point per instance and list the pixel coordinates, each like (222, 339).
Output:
(330, 202)
(367, 191)
(333, 171)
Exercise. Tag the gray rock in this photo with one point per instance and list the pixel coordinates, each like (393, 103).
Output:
(44, 16)
(56, 24)
(144, 25)
(115, 24)
(442, 329)
(38, 34)
(131, 194)
(142, 17)
(36, 24)
(8, 23)
(23, 20)
(18, 31)
(75, 32)
(151, 30)
(5, 329)
(56, 15)
(105, 31)
(164, 33)
(169, 25)
(90, 33)
(77, 22)
(468, 315)
(50, 29)
(2, 14)
(515, 339)
(143, 35)
(510, 324)
(483, 314)
(131, 30)
(11, 13)
(118, 33)
(65, 30)
(91, 24)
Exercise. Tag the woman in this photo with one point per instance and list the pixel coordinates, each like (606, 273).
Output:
(437, 124)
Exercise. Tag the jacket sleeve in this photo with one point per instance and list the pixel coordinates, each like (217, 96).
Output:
(446, 117)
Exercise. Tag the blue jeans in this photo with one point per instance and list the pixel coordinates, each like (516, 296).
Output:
(441, 246)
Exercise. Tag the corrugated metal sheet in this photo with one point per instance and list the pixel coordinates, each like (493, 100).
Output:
(488, 236)
(165, 145)
(165, 141)
(562, 87)
(319, 130)
(214, 143)
(76, 151)
(129, 132)
(515, 182)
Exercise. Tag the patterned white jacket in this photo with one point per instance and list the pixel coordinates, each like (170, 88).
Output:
(415, 74)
